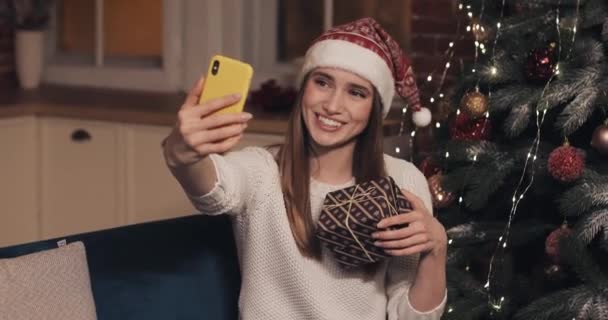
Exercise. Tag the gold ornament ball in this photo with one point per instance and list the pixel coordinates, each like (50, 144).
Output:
(440, 197)
(475, 104)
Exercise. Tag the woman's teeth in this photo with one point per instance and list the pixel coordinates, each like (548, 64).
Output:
(329, 122)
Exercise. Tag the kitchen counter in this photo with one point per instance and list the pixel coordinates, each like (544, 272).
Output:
(126, 106)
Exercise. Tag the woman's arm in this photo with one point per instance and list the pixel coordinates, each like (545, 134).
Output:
(199, 133)
(416, 289)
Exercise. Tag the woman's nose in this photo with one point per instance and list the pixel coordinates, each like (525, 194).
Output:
(333, 104)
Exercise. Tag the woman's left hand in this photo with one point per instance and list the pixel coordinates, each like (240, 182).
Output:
(423, 233)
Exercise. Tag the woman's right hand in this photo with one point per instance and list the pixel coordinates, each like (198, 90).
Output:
(199, 131)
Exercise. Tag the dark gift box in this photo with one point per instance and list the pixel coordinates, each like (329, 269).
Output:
(350, 215)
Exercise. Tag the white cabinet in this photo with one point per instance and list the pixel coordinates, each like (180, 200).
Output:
(67, 176)
(18, 181)
(152, 192)
(81, 187)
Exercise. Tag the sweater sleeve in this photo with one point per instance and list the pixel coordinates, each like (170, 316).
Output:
(402, 270)
(232, 188)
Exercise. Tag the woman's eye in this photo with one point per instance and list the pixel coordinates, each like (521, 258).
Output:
(321, 82)
(357, 93)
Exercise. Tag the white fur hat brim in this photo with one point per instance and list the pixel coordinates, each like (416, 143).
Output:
(356, 59)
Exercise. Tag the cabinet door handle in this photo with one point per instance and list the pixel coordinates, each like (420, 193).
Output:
(81, 135)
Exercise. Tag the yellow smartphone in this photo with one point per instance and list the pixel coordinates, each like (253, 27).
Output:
(227, 76)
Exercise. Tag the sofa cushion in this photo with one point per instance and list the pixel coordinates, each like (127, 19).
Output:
(51, 284)
(183, 268)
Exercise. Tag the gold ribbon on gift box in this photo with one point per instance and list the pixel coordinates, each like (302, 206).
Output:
(358, 198)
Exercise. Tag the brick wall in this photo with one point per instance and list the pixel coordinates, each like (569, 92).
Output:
(434, 26)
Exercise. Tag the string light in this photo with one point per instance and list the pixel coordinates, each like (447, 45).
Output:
(437, 125)
(532, 154)
(449, 53)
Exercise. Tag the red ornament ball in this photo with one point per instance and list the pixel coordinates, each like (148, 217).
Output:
(552, 242)
(429, 167)
(566, 163)
(540, 65)
(440, 197)
(462, 127)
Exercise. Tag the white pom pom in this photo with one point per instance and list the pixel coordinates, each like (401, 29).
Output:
(422, 118)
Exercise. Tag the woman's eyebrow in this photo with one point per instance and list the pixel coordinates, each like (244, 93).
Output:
(360, 87)
(323, 74)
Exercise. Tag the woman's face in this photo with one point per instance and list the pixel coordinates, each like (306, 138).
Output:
(336, 107)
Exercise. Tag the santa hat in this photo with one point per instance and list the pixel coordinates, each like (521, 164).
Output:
(366, 49)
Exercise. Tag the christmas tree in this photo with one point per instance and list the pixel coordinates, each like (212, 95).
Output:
(519, 172)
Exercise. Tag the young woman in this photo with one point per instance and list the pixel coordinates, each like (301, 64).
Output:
(274, 196)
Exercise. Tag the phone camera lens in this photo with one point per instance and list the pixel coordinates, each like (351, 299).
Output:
(215, 68)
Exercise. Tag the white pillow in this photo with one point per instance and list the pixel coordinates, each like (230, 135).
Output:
(51, 284)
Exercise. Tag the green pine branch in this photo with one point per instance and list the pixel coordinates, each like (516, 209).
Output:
(575, 253)
(564, 304)
(591, 191)
(590, 225)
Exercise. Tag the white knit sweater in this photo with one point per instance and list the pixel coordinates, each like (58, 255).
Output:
(278, 283)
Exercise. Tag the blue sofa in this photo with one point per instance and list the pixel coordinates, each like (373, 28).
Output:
(183, 269)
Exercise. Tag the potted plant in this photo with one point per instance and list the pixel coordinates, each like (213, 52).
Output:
(30, 20)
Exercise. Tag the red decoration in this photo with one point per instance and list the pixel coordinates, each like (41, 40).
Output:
(429, 167)
(273, 97)
(541, 63)
(462, 127)
(566, 163)
(552, 242)
(440, 197)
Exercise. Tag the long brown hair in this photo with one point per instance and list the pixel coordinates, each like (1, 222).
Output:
(293, 159)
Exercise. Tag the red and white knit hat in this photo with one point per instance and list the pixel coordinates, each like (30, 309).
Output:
(366, 49)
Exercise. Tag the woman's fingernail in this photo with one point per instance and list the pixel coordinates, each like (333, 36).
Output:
(247, 116)
(236, 96)
(377, 243)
